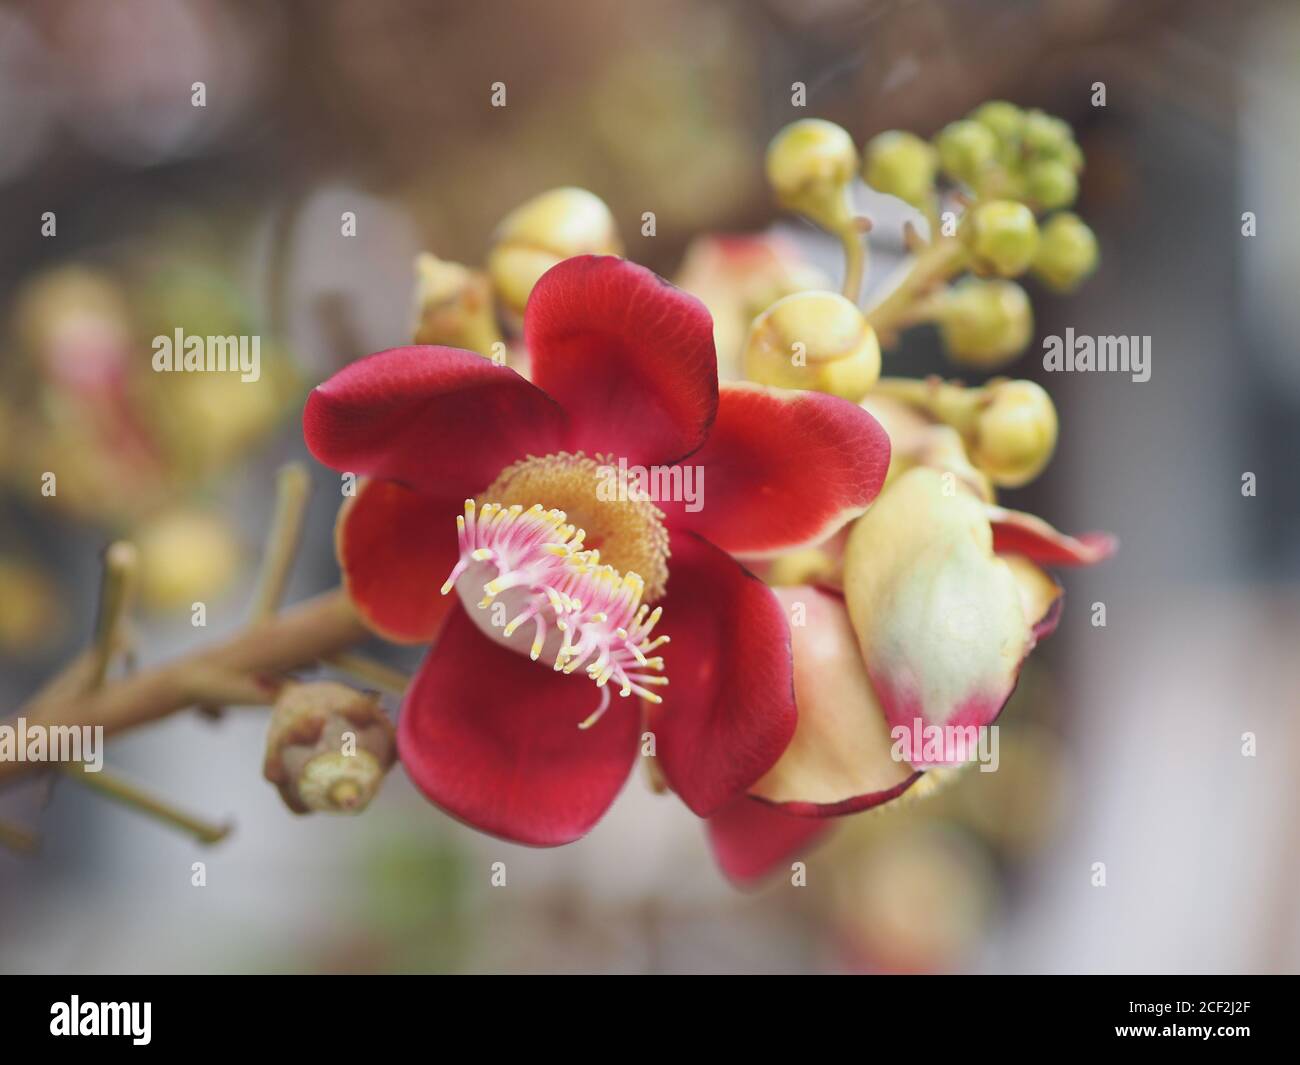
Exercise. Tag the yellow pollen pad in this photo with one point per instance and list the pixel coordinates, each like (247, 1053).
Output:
(628, 532)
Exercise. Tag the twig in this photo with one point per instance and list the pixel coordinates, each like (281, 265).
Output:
(297, 638)
(120, 562)
(121, 790)
(386, 678)
(930, 267)
(293, 488)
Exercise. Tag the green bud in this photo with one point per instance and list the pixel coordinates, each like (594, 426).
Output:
(1051, 184)
(985, 324)
(965, 149)
(1015, 433)
(1002, 237)
(1067, 252)
(1045, 135)
(1004, 119)
(1072, 156)
(901, 164)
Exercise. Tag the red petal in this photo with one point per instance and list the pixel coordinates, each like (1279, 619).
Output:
(729, 710)
(395, 548)
(784, 468)
(438, 419)
(629, 357)
(1017, 533)
(493, 739)
(750, 838)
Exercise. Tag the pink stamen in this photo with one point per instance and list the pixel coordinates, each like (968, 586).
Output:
(540, 560)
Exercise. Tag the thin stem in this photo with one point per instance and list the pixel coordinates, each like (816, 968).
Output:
(384, 677)
(293, 488)
(122, 790)
(935, 264)
(120, 564)
(855, 259)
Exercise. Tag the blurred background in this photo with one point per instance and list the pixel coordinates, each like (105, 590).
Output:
(1122, 745)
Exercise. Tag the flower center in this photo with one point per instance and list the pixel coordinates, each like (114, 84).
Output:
(518, 566)
(627, 529)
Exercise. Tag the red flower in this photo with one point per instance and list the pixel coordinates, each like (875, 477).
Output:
(624, 375)
(943, 600)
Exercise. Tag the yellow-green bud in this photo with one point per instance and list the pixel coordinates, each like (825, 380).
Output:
(185, 555)
(1008, 427)
(1002, 236)
(1067, 252)
(1051, 184)
(901, 164)
(965, 148)
(813, 340)
(985, 324)
(1015, 433)
(809, 166)
(1004, 119)
(1045, 135)
(536, 235)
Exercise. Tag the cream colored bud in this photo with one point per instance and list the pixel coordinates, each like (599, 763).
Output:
(1015, 433)
(814, 340)
(549, 228)
(809, 166)
(328, 748)
(453, 306)
(1009, 427)
(185, 555)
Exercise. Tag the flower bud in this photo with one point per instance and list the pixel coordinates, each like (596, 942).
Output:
(453, 306)
(901, 164)
(1004, 119)
(1009, 427)
(536, 235)
(32, 614)
(985, 324)
(1014, 433)
(328, 748)
(809, 165)
(185, 555)
(813, 340)
(1051, 184)
(965, 148)
(1067, 252)
(917, 439)
(1002, 236)
(1045, 135)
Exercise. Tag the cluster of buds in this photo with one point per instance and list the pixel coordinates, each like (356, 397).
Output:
(462, 307)
(328, 748)
(991, 188)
